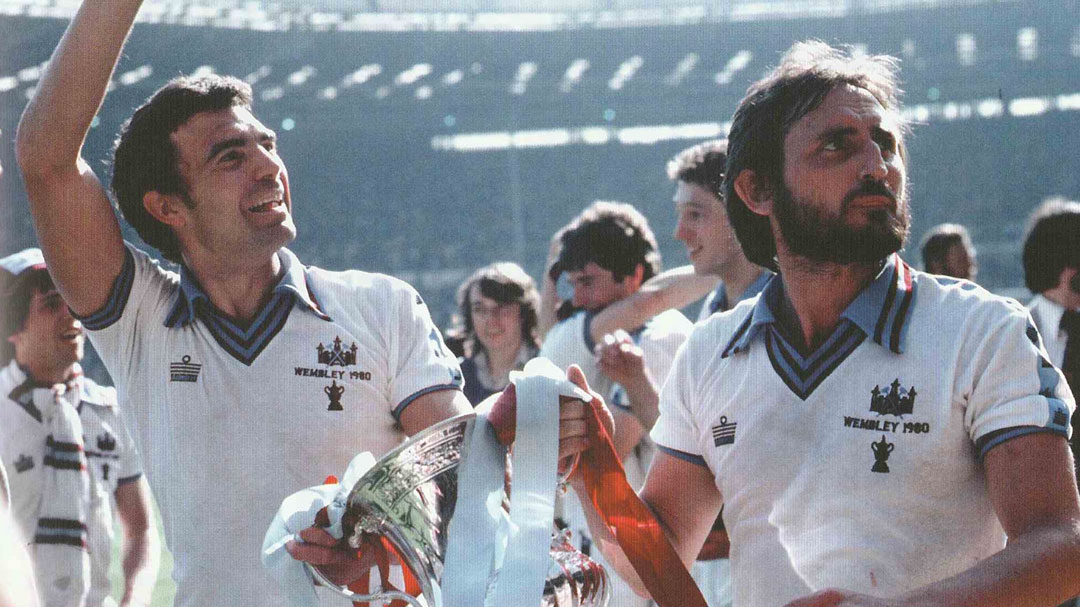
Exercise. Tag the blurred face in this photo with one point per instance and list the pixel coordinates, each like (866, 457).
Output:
(237, 183)
(960, 262)
(497, 325)
(50, 341)
(704, 228)
(596, 288)
(843, 197)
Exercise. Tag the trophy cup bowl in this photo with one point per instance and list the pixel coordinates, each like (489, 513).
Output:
(409, 497)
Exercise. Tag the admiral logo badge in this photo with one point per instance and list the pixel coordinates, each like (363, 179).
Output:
(106, 442)
(185, 370)
(337, 356)
(724, 433)
(897, 401)
(24, 463)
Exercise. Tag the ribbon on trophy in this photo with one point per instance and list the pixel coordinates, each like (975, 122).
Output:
(630, 521)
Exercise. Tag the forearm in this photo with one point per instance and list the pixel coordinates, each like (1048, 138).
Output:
(644, 401)
(1040, 568)
(141, 558)
(55, 122)
(668, 290)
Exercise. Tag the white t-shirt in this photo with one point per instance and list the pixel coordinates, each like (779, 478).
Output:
(233, 419)
(859, 465)
(110, 454)
(570, 342)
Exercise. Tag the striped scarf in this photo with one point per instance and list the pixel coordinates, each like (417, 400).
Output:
(61, 559)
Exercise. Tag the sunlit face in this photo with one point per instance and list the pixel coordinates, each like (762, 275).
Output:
(843, 197)
(50, 338)
(596, 288)
(960, 262)
(497, 324)
(238, 186)
(703, 226)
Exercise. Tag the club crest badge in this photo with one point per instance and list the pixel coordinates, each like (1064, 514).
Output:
(334, 391)
(882, 449)
(24, 463)
(337, 355)
(106, 442)
(897, 401)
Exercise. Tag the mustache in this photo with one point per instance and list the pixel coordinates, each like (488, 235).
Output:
(869, 188)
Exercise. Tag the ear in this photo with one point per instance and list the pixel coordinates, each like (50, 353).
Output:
(164, 208)
(757, 197)
(638, 276)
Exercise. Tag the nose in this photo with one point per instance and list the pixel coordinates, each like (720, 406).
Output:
(579, 298)
(874, 167)
(267, 164)
(680, 229)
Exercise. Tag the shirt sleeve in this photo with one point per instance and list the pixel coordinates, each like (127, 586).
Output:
(565, 343)
(419, 360)
(1011, 387)
(130, 464)
(676, 431)
(137, 304)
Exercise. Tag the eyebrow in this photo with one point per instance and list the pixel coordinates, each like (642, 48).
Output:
(235, 142)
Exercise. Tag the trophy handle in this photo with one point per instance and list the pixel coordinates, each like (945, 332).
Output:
(383, 597)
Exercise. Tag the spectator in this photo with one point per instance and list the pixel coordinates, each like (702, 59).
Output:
(496, 326)
(947, 250)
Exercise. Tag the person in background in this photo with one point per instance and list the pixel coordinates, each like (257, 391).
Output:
(496, 327)
(72, 461)
(947, 250)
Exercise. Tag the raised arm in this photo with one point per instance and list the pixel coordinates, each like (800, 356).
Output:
(76, 227)
(673, 288)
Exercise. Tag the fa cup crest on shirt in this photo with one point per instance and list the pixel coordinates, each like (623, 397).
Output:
(897, 401)
(334, 391)
(881, 450)
(336, 355)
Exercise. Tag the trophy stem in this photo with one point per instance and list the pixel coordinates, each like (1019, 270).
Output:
(383, 597)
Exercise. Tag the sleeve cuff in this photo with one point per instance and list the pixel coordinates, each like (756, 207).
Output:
(398, 410)
(993, 439)
(118, 298)
(683, 455)
(128, 479)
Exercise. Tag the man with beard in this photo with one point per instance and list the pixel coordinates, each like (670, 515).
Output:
(872, 431)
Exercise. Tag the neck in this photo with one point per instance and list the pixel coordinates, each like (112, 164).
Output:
(501, 363)
(816, 294)
(236, 290)
(44, 374)
(738, 277)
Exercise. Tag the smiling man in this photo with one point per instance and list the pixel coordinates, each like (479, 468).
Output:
(248, 374)
(874, 433)
(72, 461)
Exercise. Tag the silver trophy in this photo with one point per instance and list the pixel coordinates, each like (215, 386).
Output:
(409, 497)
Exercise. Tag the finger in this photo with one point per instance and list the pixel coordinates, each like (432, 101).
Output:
(577, 377)
(318, 555)
(572, 446)
(571, 428)
(825, 598)
(317, 536)
(572, 409)
(621, 336)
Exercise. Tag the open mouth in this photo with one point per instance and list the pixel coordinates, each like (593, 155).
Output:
(71, 335)
(266, 206)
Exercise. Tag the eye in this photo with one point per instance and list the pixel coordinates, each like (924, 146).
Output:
(231, 156)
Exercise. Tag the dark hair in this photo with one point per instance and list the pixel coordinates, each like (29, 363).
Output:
(504, 282)
(702, 165)
(807, 73)
(614, 236)
(937, 242)
(145, 158)
(1050, 243)
(15, 295)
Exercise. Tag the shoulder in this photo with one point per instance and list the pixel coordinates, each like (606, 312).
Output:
(357, 285)
(952, 303)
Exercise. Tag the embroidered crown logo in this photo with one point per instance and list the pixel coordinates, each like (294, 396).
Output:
(185, 370)
(106, 442)
(24, 463)
(897, 401)
(337, 356)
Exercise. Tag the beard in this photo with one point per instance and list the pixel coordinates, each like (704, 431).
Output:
(811, 233)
